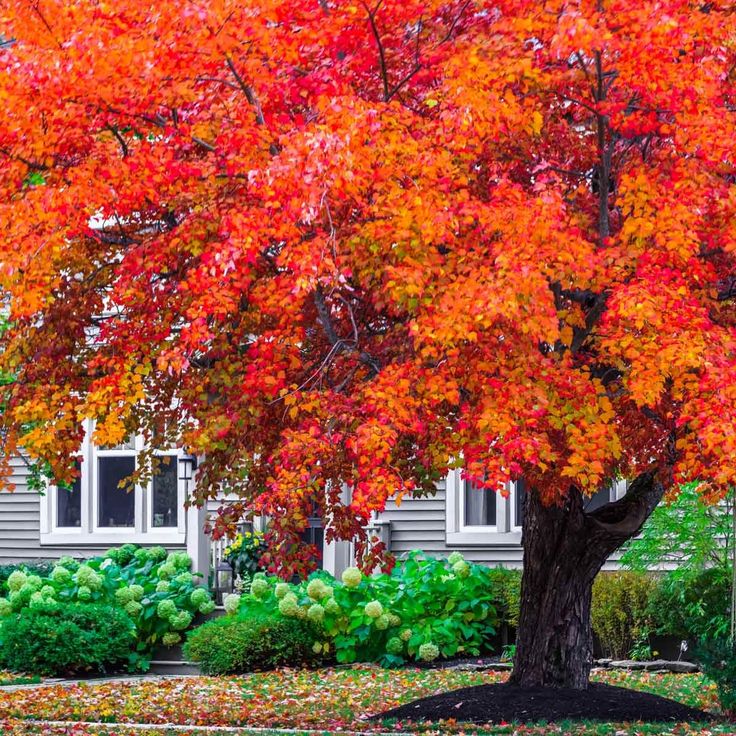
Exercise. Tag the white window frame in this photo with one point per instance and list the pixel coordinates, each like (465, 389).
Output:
(89, 532)
(458, 533)
(506, 533)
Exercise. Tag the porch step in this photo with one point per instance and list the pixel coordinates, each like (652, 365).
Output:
(173, 667)
(170, 660)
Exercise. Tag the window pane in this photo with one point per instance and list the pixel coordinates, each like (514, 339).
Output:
(519, 502)
(69, 505)
(117, 505)
(480, 506)
(598, 499)
(165, 493)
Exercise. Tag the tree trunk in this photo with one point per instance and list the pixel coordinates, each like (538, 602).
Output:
(564, 548)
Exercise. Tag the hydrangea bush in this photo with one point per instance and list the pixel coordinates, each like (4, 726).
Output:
(155, 588)
(427, 608)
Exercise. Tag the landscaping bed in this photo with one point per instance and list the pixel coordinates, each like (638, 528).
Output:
(325, 700)
(500, 702)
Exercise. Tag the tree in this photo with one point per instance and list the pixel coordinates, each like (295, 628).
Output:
(358, 243)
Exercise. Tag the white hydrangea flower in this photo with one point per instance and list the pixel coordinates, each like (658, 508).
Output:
(16, 580)
(382, 623)
(428, 652)
(316, 589)
(455, 557)
(373, 609)
(281, 590)
(461, 569)
(231, 602)
(351, 577)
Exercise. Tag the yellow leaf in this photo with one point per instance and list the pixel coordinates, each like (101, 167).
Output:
(537, 121)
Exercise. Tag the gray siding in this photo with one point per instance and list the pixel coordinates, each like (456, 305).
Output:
(20, 525)
(421, 524)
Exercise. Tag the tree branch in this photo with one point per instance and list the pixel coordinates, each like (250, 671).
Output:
(120, 140)
(624, 518)
(250, 95)
(340, 345)
(381, 51)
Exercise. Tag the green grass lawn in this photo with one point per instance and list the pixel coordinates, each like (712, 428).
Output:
(325, 701)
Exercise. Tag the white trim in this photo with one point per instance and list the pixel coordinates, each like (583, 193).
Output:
(505, 533)
(337, 554)
(459, 534)
(89, 532)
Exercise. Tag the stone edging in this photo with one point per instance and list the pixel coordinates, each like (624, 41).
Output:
(655, 665)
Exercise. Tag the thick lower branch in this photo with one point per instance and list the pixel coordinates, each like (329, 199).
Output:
(624, 518)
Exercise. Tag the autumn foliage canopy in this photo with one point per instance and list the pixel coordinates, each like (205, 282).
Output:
(332, 243)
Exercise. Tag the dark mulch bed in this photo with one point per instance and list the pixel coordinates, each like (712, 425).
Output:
(506, 703)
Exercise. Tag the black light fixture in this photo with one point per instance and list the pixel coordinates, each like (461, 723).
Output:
(187, 466)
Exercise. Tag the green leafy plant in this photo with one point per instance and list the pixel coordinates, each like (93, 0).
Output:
(506, 584)
(696, 599)
(718, 660)
(233, 645)
(508, 653)
(31, 567)
(642, 650)
(155, 589)
(427, 608)
(686, 532)
(620, 611)
(244, 555)
(694, 606)
(67, 639)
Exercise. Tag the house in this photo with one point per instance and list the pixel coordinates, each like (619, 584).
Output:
(96, 514)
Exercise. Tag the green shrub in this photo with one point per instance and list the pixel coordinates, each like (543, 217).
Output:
(234, 645)
(32, 567)
(718, 660)
(621, 611)
(153, 587)
(686, 531)
(426, 608)
(507, 594)
(66, 639)
(695, 605)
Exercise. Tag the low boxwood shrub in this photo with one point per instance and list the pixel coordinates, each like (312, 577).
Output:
(155, 588)
(621, 611)
(67, 639)
(232, 645)
(426, 608)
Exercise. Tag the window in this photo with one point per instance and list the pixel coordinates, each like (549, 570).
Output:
(97, 510)
(477, 516)
(519, 498)
(165, 493)
(601, 498)
(69, 505)
(480, 506)
(482, 516)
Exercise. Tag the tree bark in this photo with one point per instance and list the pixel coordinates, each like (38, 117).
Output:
(564, 549)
